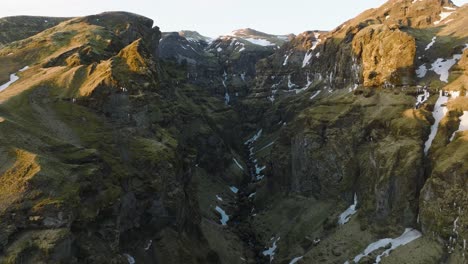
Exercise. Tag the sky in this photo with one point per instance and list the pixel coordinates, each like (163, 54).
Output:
(211, 17)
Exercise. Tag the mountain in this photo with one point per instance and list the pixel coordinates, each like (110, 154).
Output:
(21, 27)
(123, 144)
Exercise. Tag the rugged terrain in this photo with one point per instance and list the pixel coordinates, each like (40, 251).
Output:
(121, 143)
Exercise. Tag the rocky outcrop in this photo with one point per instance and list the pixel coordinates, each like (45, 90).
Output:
(387, 56)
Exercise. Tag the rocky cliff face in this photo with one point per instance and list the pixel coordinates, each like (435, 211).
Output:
(136, 145)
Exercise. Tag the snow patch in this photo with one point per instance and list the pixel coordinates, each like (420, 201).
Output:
(422, 98)
(439, 112)
(421, 71)
(442, 66)
(407, 237)
(295, 260)
(315, 94)
(260, 42)
(285, 62)
(308, 56)
(219, 198)
(443, 15)
(290, 84)
(253, 138)
(271, 251)
(234, 189)
(238, 164)
(130, 259)
(13, 78)
(463, 124)
(346, 215)
(431, 43)
(224, 217)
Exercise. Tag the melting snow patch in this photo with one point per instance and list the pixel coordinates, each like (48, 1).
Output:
(439, 112)
(130, 259)
(346, 215)
(224, 217)
(463, 124)
(307, 58)
(421, 71)
(13, 78)
(290, 84)
(254, 138)
(295, 260)
(408, 236)
(260, 42)
(286, 60)
(443, 15)
(238, 164)
(148, 245)
(219, 198)
(219, 49)
(252, 195)
(234, 189)
(431, 43)
(315, 94)
(442, 66)
(422, 98)
(271, 251)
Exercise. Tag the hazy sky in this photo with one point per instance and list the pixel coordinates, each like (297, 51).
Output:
(210, 17)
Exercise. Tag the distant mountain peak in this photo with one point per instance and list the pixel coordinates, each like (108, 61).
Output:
(194, 36)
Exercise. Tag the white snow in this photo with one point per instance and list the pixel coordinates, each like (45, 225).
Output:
(290, 84)
(307, 58)
(295, 260)
(422, 98)
(252, 195)
(431, 43)
(254, 137)
(443, 15)
(346, 215)
(316, 42)
(219, 198)
(148, 245)
(439, 112)
(234, 189)
(286, 60)
(219, 49)
(266, 146)
(224, 217)
(442, 66)
(421, 71)
(260, 42)
(408, 236)
(130, 259)
(463, 124)
(243, 76)
(13, 78)
(315, 94)
(238, 164)
(227, 98)
(271, 251)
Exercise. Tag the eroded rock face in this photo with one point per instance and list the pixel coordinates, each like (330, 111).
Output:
(387, 55)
